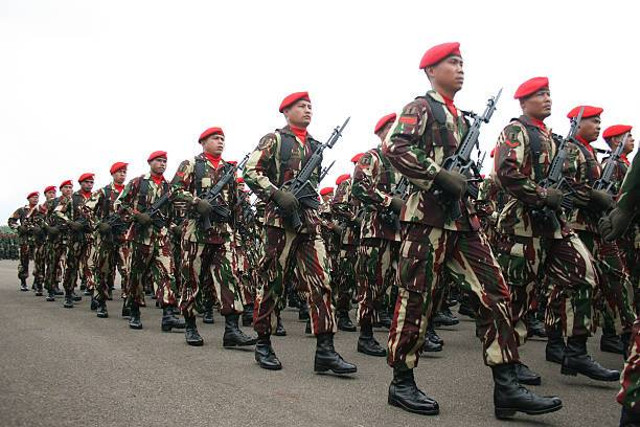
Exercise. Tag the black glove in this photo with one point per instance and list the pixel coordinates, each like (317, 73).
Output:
(454, 183)
(104, 228)
(601, 200)
(554, 198)
(285, 201)
(76, 226)
(142, 218)
(203, 207)
(611, 227)
(396, 204)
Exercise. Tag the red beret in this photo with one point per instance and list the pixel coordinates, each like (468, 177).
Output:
(211, 131)
(356, 158)
(240, 180)
(33, 193)
(67, 182)
(616, 130)
(342, 178)
(438, 53)
(589, 111)
(156, 154)
(117, 166)
(531, 86)
(50, 188)
(85, 176)
(288, 101)
(326, 190)
(383, 121)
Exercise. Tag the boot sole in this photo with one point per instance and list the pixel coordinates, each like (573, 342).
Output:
(397, 404)
(195, 343)
(234, 344)
(280, 334)
(335, 371)
(506, 413)
(573, 372)
(102, 316)
(270, 367)
(67, 306)
(611, 350)
(549, 359)
(208, 322)
(50, 299)
(373, 354)
(135, 327)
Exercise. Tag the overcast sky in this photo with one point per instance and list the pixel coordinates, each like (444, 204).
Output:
(86, 83)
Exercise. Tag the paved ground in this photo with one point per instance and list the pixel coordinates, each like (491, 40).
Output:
(62, 367)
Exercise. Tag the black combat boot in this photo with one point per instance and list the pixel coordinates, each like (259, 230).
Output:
(233, 336)
(524, 375)
(126, 308)
(510, 397)
(76, 297)
(58, 291)
(327, 358)
(191, 332)
(432, 342)
(38, 289)
(51, 295)
(535, 327)
(554, 351)
(577, 361)
(207, 316)
(405, 394)
(307, 327)
(68, 301)
(344, 322)
(303, 312)
(23, 285)
(465, 308)
(102, 310)
(264, 354)
(280, 330)
(367, 344)
(94, 304)
(384, 320)
(445, 318)
(433, 336)
(611, 343)
(87, 292)
(170, 320)
(247, 315)
(134, 320)
(629, 418)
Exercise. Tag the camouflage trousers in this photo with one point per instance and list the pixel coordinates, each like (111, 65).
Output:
(176, 254)
(109, 255)
(344, 278)
(245, 274)
(56, 254)
(615, 295)
(39, 264)
(84, 266)
(75, 252)
(202, 260)
(427, 256)
(629, 394)
(376, 272)
(27, 250)
(304, 256)
(629, 246)
(151, 263)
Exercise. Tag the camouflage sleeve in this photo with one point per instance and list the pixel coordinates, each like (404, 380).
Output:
(340, 205)
(630, 192)
(124, 204)
(402, 147)
(14, 219)
(93, 207)
(576, 171)
(485, 203)
(181, 182)
(365, 177)
(261, 161)
(62, 211)
(511, 160)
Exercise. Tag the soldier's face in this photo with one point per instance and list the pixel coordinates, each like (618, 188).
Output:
(158, 165)
(589, 128)
(241, 186)
(86, 185)
(66, 190)
(537, 105)
(214, 145)
(119, 176)
(326, 197)
(50, 195)
(299, 114)
(447, 74)
(629, 145)
(33, 200)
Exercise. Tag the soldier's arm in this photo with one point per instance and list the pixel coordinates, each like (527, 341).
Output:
(402, 148)
(14, 220)
(576, 170)
(340, 205)
(512, 157)
(629, 199)
(256, 171)
(181, 182)
(124, 204)
(365, 177)
(61, 211)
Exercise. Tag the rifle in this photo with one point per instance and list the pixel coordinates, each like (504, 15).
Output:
(154, 210)
(301, 187)
(220, 212)
(555, 178)
(388, 216)
(325, 171)
(605, 183)
(461, 161)
(115, 221)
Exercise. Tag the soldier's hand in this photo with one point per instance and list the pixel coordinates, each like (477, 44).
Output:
(104, 228)
(53, 231)
(203, 207)
(454, 183)
(554, 198)
(396, 204)
(285, 201)
(142, 218)
(611, 227)
(76, 226)
(601, 200)
(36, 230)
(22, 229)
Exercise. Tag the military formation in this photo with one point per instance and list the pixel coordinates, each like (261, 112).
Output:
(546, 245)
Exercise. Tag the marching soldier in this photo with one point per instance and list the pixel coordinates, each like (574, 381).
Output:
(374, 178)
(245, 251)
(279, 157)
(57, 240)
(23, 220)
(436, 244)
(42, 241)
(148, 236)
(208, 237)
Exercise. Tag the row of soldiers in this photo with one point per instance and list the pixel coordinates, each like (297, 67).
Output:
(403, 228)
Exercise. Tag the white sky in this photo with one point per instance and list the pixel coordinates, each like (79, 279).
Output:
(86, 83)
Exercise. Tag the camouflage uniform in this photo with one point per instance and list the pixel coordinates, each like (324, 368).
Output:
(27, 217)
(244, 248)
(150, 248)
(530, 249)
(286, 250)
(331, 240)
(436, 245)
(373, 181)
(207, 251)
(56, 246)
(180, 209)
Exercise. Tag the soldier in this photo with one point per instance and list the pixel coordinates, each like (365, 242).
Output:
(279, 157)
(538, 248)
(111, 249)
(42, 243)
(209, 250)
(331, 232)
(436, 244)
(74, 219)
(23, 221)
(374, 178)
(148, 236)
(617, 291)
(57, 241)
(245, 251)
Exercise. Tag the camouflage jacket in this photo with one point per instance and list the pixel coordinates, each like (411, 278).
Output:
(265, 173)
(630, 190)
(245, 223)
(346, 210)
(373, 180)
(185, 187)
(131, 202)
(74, 209)
(491, 201)
(415, 147)
(101, 205)
(27, 217)
(52, 220)
(330, 237)
(516, 174)
(589, 170)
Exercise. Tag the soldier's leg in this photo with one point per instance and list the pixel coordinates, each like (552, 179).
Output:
(629, 394)
(71, 272)
(123, 261)
(162, 270)
(195, 259)
(23, 265)
(141, 257)
(39, 267)
(101, 264)
(343, 288)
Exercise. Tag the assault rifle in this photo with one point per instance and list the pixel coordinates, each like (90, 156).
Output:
(154, 211)
(325, 171)
(605, 183)
(301, 187)
(388, 216)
